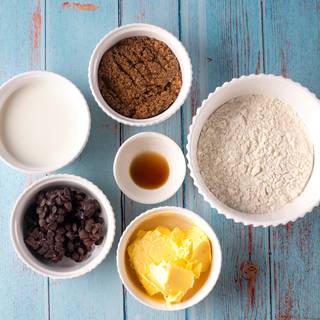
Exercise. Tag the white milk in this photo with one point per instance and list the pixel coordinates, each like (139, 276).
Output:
(41, 124)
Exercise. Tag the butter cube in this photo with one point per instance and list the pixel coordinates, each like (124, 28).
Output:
(172, 280)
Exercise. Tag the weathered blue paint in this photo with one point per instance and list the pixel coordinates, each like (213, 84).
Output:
(225, 39)
(292, 43)
(21, 291)
(71, 35)
(148, 11)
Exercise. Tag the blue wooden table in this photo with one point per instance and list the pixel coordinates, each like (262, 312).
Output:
(271, 273)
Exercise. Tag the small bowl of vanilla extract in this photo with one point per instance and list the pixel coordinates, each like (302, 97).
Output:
(149, 167)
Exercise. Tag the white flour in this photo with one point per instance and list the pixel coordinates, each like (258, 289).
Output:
(254, 154)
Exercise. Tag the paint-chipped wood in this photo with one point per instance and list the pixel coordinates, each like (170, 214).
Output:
(35, 33)
(291, 41)
(80, 6)
(71, 37)
(228, 33)
(266, 273)
(147, 11)
(23, 294)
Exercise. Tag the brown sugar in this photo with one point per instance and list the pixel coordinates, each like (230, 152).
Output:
(139, 77)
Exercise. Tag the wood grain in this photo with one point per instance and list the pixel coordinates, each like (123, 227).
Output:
(22, 292)
(266, 273)
(292, 43)
(71, 36)
(147, 11)
(224, 40)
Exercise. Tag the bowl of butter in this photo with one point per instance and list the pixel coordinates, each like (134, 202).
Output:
(169, 258)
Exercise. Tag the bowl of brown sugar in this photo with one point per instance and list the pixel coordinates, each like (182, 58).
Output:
(140, 74)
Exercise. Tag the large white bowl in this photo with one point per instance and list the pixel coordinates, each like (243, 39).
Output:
(188, 218)
(303, 102)
(134, 30)
(66, 268)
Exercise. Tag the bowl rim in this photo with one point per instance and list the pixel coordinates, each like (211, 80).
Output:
(84, 104)
(216, 265)
(123, 188)
(105, 249)
(171, 110)
(213, 201)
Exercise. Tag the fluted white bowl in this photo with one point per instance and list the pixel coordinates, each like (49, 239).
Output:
(134, 30)
(303, 102)
(66, 268)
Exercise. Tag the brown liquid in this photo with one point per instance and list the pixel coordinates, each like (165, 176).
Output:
(149, 170)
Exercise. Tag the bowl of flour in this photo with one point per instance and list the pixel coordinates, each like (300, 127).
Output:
(254, 150)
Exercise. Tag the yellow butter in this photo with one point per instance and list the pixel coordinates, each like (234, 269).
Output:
(169, 261)
(172, 281)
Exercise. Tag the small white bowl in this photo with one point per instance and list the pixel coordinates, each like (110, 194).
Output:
(154, 142)
(149, 220)
(134, 30)
(66, 268)
(303, 102)
(63, 88)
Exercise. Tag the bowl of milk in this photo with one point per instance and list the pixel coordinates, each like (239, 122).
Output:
(44, 122)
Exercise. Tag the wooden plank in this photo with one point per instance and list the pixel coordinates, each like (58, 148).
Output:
(224, 41)
(73, 30)
(164, 14)
(23, 294)
(292, 33)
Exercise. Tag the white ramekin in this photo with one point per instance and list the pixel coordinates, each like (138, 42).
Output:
(66, 268)
(155, 142)
(13, 84)
(192, 219)
(133, 30)
(303, 102)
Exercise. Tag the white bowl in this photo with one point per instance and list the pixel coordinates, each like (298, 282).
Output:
(66, 268)
(186, 219)
(303, 102)
(133, 30)
(155, 142)
(68, 91)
